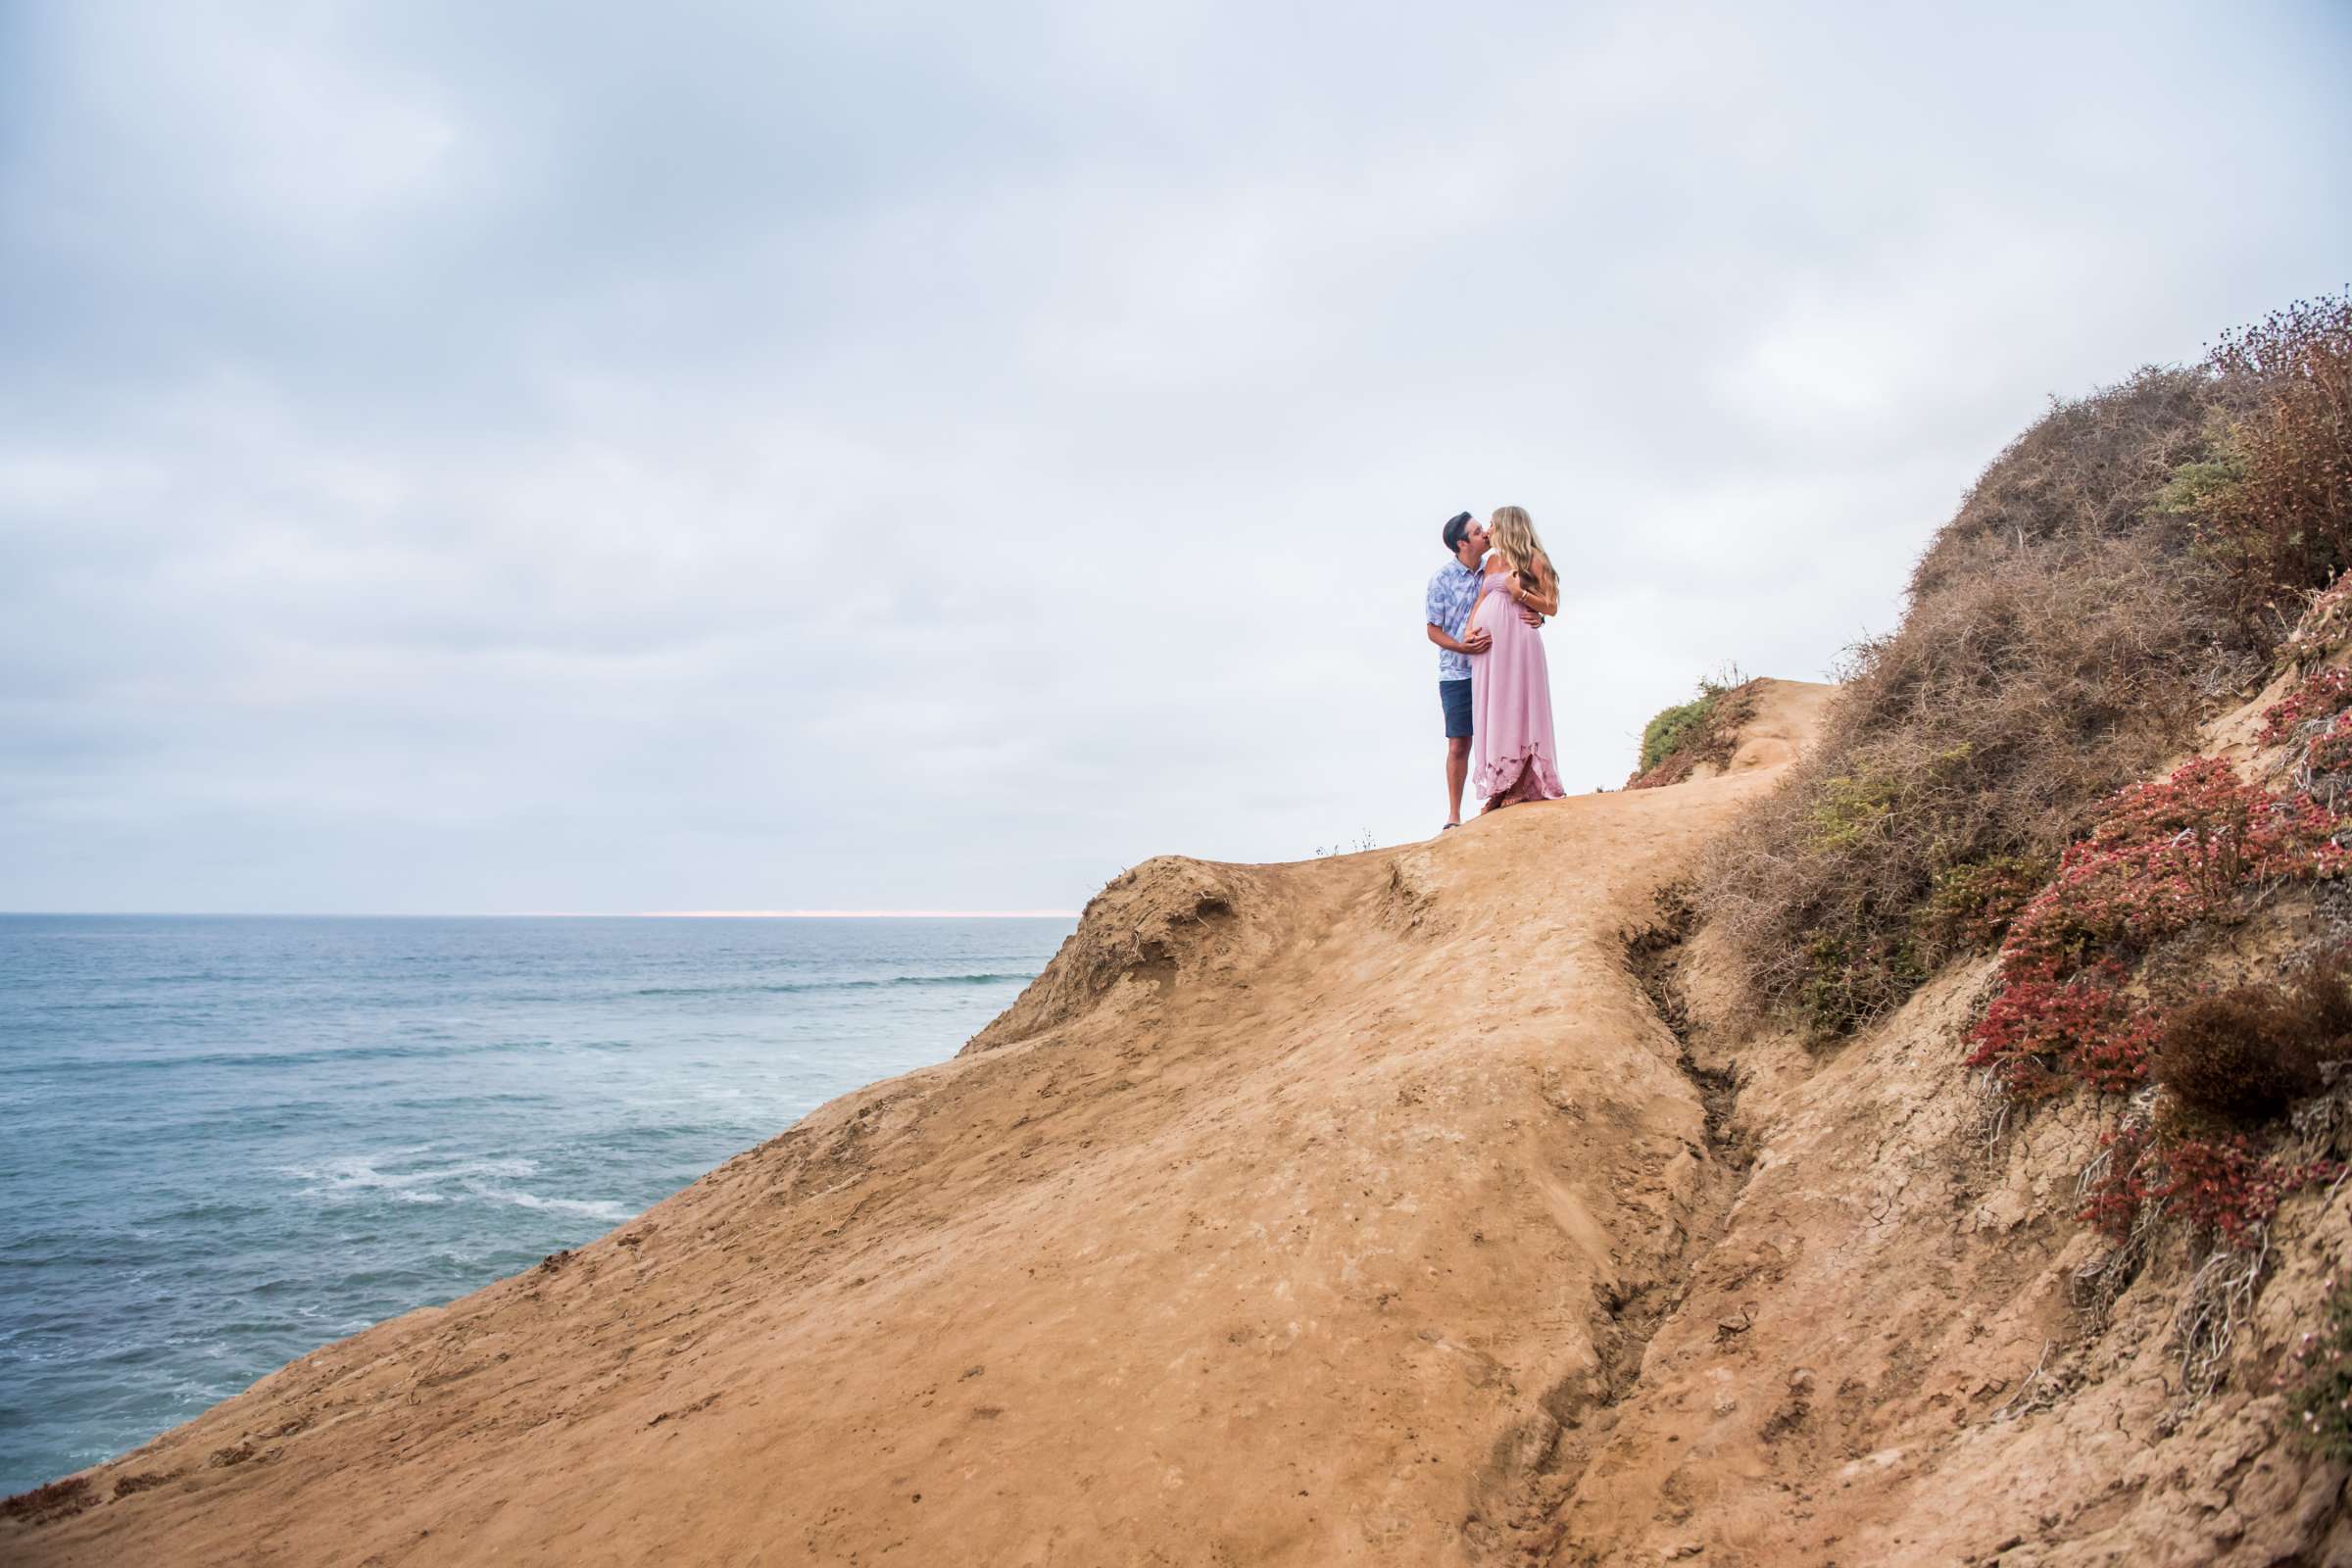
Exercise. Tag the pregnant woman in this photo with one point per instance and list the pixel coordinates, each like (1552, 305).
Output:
(1510, 689)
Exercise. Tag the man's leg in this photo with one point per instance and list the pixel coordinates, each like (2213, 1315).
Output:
(1454, 698)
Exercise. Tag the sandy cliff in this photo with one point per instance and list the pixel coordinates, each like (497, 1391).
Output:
(1288, 1217)
(1424, 1205)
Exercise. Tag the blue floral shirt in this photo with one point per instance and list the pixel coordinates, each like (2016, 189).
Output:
(1453, 595)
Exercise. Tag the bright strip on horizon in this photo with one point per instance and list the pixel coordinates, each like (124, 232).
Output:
(859, 914)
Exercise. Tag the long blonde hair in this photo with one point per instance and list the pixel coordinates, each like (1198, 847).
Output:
(1515, 540)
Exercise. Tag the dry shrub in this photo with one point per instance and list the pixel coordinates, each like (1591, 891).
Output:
(2275, 505)
(46, 1504)
(2117, 568)
(2326, 628)
(2089, 469)
(2249, 1052)
(2017, 696)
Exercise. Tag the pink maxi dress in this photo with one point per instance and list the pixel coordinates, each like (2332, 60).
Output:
(1510, 705)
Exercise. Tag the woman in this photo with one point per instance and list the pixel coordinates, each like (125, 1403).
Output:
(1510, 685)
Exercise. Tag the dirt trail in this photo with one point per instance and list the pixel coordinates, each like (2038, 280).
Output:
(1301, 1213)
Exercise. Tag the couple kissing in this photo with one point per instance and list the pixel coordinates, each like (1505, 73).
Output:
(1485, 612)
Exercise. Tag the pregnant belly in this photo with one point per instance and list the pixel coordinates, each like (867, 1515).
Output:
(1496, 612)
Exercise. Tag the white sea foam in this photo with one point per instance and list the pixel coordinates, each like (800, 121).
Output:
(358, 1173)
(594, 1208)
(348, 1175)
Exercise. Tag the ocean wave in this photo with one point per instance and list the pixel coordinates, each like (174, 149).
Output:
(358, 1173)
(387, 1051)
(490, 1181)
(593, 1208)
(798, 986)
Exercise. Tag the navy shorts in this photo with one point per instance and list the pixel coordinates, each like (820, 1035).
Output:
(1454, 697)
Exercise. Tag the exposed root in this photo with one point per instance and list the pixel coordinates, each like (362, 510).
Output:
(1996, 1111)
(2039, 1389)
(2217, 1302)
(2320, 1127)
(2099, 1285)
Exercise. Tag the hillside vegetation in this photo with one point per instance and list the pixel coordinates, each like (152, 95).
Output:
(2126, 568)
(2106, 761)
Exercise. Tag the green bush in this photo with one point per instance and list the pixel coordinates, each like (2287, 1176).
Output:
(1844, 986)
(2204, 484)
(1847, 810)
(1666, 734)
(1970, 905)
(1701, 730)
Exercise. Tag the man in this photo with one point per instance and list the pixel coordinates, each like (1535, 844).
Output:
(1453, 595)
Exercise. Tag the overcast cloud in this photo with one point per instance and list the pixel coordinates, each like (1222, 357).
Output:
(480, 458)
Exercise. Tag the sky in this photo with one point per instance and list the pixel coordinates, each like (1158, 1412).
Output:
(601, 457)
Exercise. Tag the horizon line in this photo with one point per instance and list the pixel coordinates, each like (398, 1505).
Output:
(857, 915)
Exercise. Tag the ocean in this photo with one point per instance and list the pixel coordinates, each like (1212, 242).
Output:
(230, 1139)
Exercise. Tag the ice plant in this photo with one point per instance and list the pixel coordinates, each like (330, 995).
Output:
(2217, 1184)
(2321, 695)
(2165, 856)
(2162, 856)
(2113, 1201)
(2332, 750)
(2041, 1033)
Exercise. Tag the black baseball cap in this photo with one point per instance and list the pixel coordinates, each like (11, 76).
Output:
(1456, 528)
